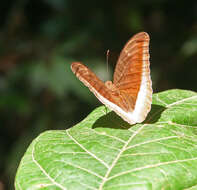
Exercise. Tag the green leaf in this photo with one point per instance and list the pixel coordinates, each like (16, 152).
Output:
(104, 152)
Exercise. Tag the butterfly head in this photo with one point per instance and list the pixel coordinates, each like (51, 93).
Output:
(110, 85)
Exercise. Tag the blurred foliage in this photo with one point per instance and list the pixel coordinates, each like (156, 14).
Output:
(40, 39)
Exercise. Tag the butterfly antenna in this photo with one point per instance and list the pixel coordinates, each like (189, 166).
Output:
(107, 58)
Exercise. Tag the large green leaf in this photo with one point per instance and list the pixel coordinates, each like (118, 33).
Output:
(104, 152)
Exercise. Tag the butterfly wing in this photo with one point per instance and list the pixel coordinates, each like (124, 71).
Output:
(100, 90)
(131, 94)
(132, 76)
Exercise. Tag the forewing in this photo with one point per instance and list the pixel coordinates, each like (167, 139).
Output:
(132, 73)
(129, 65)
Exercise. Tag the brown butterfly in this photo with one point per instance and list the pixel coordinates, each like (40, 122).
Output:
(130, 93)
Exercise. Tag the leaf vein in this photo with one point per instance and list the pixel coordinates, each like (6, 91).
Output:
(90, 153)
(43, 170)
(151, 166)
(119, 155)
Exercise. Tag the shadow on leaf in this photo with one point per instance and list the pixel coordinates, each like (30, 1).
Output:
(112, 120)
(154, 114)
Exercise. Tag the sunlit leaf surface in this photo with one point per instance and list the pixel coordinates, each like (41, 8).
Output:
(104, 152)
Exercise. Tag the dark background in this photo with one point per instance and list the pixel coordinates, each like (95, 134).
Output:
(39, 39)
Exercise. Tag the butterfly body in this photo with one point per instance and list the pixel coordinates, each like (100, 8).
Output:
(130, 93)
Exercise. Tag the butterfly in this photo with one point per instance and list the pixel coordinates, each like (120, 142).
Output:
(130, 93)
